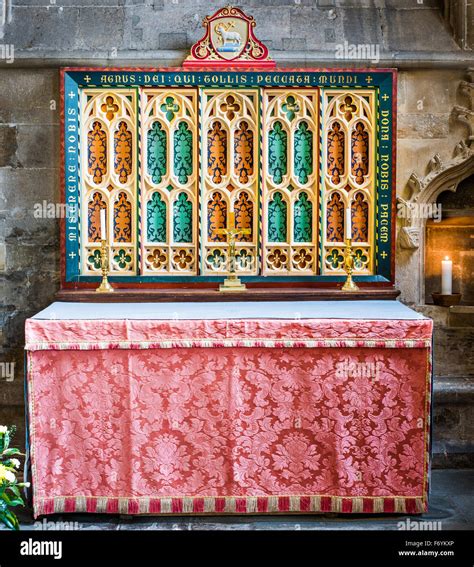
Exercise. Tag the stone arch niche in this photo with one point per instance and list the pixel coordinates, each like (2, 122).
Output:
(442, 176)
(452, 236)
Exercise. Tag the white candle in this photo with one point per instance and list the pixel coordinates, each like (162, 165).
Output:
(446, 276)
(103, 231)
(348, 223)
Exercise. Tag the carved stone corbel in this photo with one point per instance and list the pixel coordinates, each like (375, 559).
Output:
(466, 116)
(435, 165)
(410, 237)
(414, 183)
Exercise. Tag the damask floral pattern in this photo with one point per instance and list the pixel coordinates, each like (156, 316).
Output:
(156, 218)
(303, 152)
(335, 219)
(360, 153)
(303, 219)
(156, 152)
(335, 152)
(122, 218)
(284, 421)
(243, 152)
(277, 218)
(183, 153)
(360, 218)
(217, 152)
(93, 216)
(277, 152)
(243, 209)
(97, 152)
(123, 141)
(217, 217)
(182, 219)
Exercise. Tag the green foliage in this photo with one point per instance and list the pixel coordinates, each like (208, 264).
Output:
(10, 495)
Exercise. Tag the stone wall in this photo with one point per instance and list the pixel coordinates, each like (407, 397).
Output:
(46, 34)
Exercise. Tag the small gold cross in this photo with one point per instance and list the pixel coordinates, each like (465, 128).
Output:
(232, 283)
(231, 233)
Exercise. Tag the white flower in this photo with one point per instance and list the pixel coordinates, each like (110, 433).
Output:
(10, 476)
(3, 428)
(15, 463)
(6, 474)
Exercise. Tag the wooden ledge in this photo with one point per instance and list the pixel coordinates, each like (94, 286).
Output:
(202, 295)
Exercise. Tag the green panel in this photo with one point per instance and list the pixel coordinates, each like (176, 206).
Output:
(183, 152)
(277, 152)
(277, 216)
(169, 107)
(182, 219)
(156, 152)
(303, 218)
(303, 152)
(156, 219)
(290, 107)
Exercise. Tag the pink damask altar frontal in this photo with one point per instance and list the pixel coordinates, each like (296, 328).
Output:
(300, 409)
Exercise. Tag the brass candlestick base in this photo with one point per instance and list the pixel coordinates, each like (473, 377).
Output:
(349, 284)
(105, 286)
(232, 283)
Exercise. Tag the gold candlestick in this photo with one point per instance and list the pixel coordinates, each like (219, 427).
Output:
(232, 283)
(349, 284)
(105, 286)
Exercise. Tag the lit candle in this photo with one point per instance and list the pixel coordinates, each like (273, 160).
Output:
(446, 276)
(103, 231)
(348, 224)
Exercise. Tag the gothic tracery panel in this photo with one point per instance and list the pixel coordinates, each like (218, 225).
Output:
(291, 158)
(349, 131)
(229, 123)
(109, 178)
(290, 181)
(169, 173)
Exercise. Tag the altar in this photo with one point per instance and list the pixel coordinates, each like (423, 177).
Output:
(226, 338)
(229, 408)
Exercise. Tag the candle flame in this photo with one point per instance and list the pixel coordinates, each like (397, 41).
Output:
(446, 257)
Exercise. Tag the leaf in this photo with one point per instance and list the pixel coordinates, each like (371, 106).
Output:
(9, 520)
(15, 490)
(11, 452)
(16, 502)
(13, 519)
